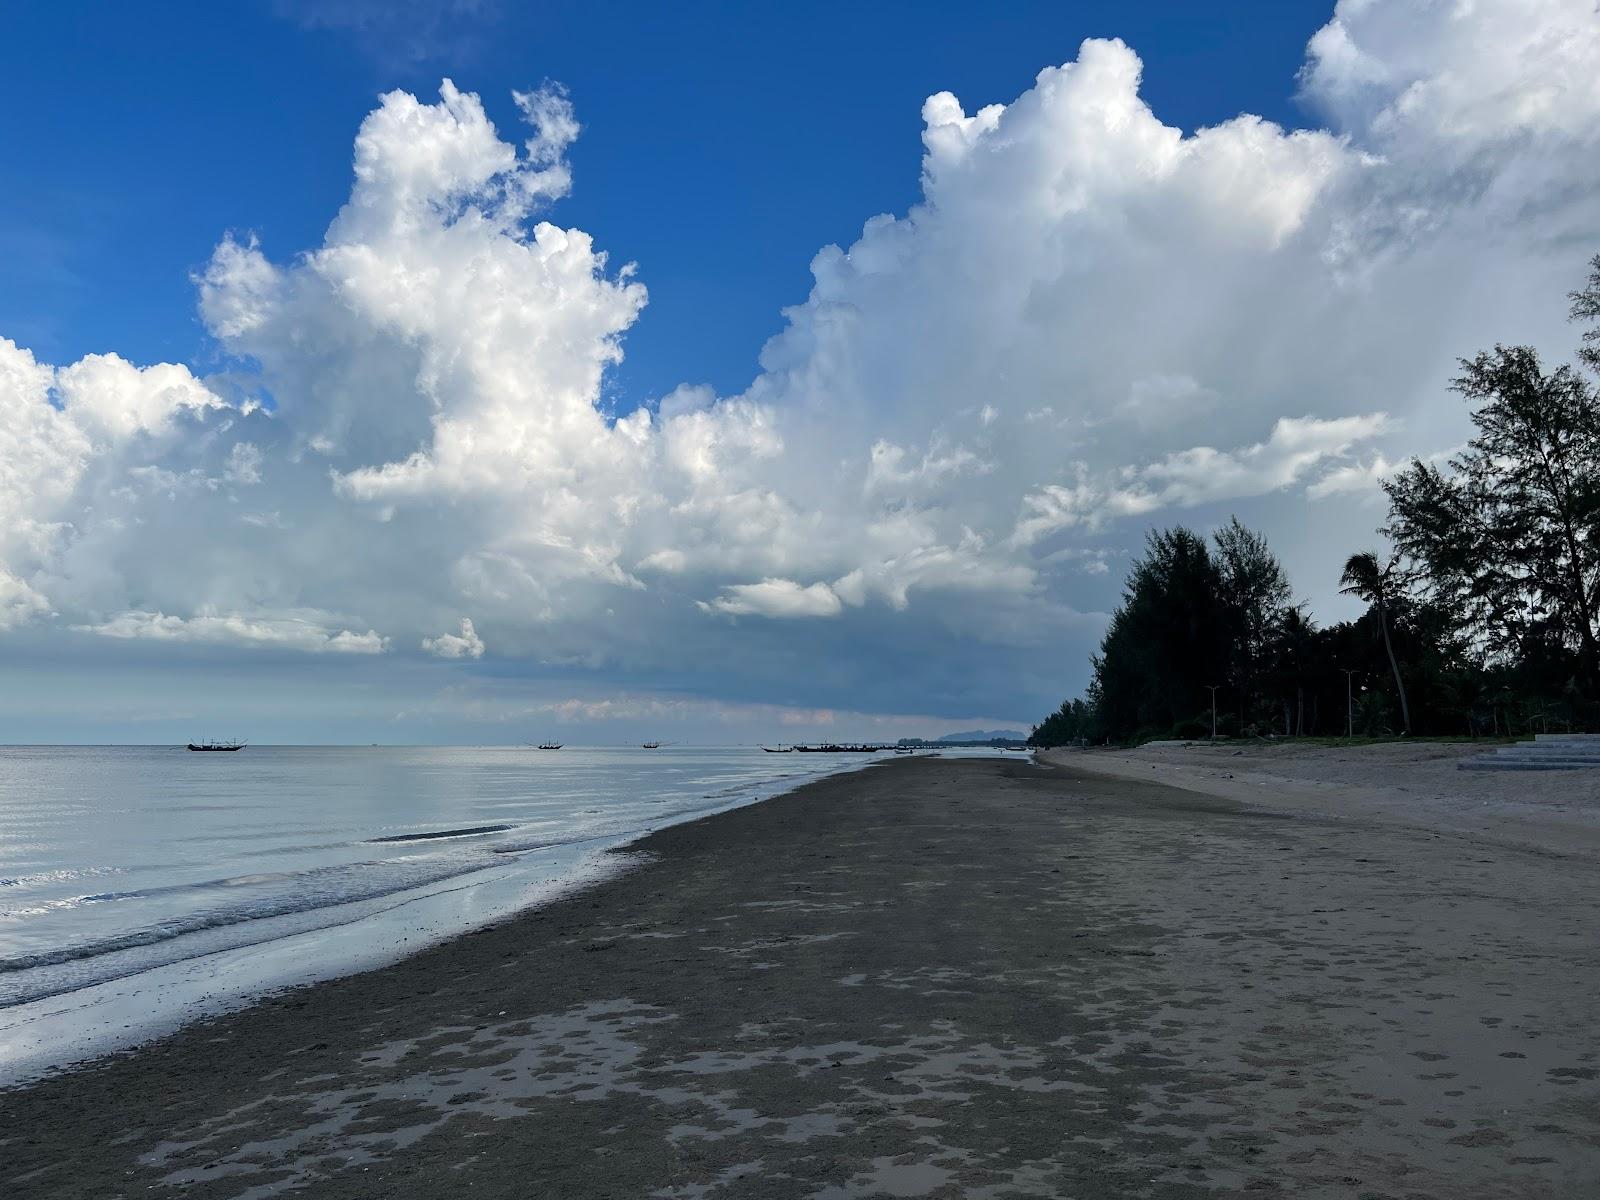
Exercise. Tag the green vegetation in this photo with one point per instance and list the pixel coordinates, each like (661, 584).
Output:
(1484, 620)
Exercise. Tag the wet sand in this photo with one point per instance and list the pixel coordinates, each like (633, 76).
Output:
(934, 978)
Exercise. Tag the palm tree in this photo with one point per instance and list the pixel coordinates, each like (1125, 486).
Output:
(1367, 580)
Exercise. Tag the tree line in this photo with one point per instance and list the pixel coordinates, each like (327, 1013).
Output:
(1482, 615)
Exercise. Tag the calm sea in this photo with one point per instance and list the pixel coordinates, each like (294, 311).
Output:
(138, 881)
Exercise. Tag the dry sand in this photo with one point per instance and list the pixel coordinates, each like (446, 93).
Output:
(1416, 784)
(934, 978)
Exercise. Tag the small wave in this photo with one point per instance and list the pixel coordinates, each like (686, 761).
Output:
(168, 912)
(252, 880)
(303, 891)
(471, 831)
(525, 847)
(61, 875)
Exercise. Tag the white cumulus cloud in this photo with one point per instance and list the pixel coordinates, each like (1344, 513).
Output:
(277, 632)
(1090, 321)
(777, 598)
(466, 644)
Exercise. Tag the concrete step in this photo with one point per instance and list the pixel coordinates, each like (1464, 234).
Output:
(1577, 760)
(1495, 764)
(1547, 752)
(1566, 758)
(1517, 764)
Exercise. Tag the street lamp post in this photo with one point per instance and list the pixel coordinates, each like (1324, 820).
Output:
(1213, 689)
(1349, 701)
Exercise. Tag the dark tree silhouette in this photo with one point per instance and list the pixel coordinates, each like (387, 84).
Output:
(1255, 598)
(1367, 579)
(1586, 307)
(1167, 639)
(1491, 599)
(1511, 537)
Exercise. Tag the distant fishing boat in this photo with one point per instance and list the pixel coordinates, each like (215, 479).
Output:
(652, 745)
(223, 747)
(550, 745)
(779, 750)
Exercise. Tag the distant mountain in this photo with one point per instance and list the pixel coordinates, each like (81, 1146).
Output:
(985, 735)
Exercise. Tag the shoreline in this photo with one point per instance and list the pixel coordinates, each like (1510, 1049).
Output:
(946, 977)
(256, 959)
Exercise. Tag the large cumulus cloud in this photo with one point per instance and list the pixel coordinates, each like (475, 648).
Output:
(1091, 321)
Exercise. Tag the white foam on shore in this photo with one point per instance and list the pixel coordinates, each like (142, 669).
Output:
(215, 970)
(121, 1013)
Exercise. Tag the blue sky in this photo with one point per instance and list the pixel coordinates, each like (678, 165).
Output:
(933, 310)
(723, 145)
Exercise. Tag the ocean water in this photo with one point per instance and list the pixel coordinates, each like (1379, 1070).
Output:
(140, 886)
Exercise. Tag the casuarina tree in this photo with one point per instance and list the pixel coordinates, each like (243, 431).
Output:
(1167, 640)
(1368, 579)
(1586, 307)
(1509, 539)
(1254, 598)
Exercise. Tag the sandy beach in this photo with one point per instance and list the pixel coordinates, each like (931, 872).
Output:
(1411, 784)
(1093, 977)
